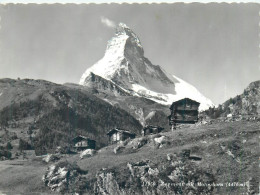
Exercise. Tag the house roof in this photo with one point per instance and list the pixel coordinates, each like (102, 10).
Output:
(152, 127)
(112, 131)
(81, 137)
(185, 100)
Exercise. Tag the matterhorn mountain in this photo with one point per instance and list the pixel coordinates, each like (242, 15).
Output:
(125, 70)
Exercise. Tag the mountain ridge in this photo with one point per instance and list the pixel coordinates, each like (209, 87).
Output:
(125, 65)
(55, 113)
(245, 104)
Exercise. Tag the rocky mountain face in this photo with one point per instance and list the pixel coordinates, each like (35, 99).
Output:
(246, 104)
(125, 70)
(47, 115)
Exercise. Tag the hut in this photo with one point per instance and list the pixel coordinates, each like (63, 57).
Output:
(183, 111)
(149, 129)
(82, 143)
(115, 135)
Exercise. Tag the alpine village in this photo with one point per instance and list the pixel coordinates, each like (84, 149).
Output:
(117, 133)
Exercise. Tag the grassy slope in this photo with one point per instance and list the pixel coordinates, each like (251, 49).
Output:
(223, 166)
(211, 142)
(65, 111)
(138, 107)
(21, 176)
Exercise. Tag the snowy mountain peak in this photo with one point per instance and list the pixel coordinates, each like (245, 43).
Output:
(125, 66)
(124, 62)
(123, 29)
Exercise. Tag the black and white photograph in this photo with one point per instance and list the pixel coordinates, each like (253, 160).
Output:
(129, 98)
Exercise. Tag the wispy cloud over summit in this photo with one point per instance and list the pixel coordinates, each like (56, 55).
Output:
(107, 22)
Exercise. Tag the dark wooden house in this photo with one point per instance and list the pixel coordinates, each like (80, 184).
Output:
(115, 135)
(82, 143)
(149, 129)
(184, 111)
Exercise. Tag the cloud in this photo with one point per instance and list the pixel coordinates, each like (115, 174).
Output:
(107, 22)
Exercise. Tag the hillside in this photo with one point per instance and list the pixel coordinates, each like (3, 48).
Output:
(146, 111)
(218, 158)
(246, 104)
(47, 115)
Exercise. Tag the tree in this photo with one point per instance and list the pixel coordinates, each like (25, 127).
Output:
(220, 108)
(9, 146)
(5, 153)
(231, 101)
(228, 111)
(3, 122)
(30, 129)
(24, 145)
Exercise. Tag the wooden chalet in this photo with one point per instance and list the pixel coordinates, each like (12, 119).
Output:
(149, 129)
(82, 143)
(184, 111)
(115, 135)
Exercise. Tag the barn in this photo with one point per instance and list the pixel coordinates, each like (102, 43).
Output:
(150, 129)
(184, 111)
(115, 135)
(82, 143)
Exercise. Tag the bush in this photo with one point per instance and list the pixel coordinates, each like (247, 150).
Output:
(5, 153)
(24, 145)
(9, 146)
(40, 151)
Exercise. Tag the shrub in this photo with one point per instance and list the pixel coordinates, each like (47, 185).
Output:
(5, 153)
(24, 145)
(9, 146)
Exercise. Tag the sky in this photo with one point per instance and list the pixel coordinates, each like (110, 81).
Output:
(213, 46)
(123, 1)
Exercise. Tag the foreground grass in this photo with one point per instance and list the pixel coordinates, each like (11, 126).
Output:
(229, 150)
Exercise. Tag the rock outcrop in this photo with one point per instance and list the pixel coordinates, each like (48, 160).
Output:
(87, 153)
(51, 158)
(175, 175)
(65, 177)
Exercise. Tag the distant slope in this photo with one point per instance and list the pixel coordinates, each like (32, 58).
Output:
(248, 103)
(56, 113)
(146, 111)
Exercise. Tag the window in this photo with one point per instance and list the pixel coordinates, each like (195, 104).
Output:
(114, 137)
(188, 105)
